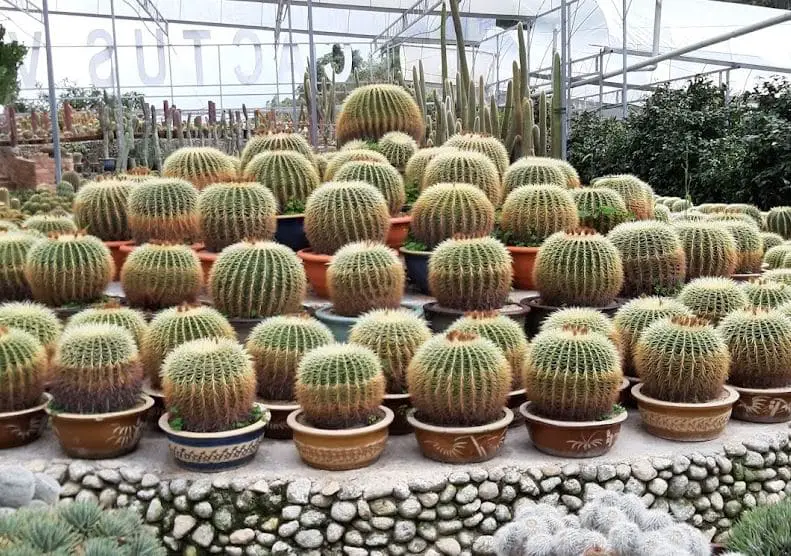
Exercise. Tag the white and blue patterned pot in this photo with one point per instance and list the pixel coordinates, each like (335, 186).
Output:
(210, 452)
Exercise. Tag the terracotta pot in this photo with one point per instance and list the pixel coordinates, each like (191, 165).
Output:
(291, 231)
(461, 444)
(316, 270)
(207, 259)
(158, 409)
(523, 259)
(771, 405)
(101, 435)
(398, 232)
(572, 439)
(416, 263)
(277, 427)
(18, 428)
(440, 318)
(243, 327)
(539, 311)
(210, 452)
(342, 449)
(400, 404)
(197, 247)
(127, 248)
(746, 277)
(515, 399)
(688, 422)
(119, 256)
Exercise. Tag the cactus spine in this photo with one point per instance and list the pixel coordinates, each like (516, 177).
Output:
(600, 208)
(161, 275)
(113, 313)
(14, 247)
(289, 175)
(779, 221)
(532, 213)
(465, 167)
(445, 210)
(533, 170)
(382, 176)
(200, 166)
(163, 209)
(713, 298)
(371, 111)
(100, 208)
(398, 147)
(23, 365)
(231, 212)
(709, 248)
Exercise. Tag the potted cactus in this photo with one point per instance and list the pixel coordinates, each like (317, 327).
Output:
(491, 146)
(275, 142)
(600, 208)
(112, 312)
(50, 224)
(371, 111)
(709, 248)
(98, 408)
(340, 158)
(158, 275)
(14, 246)
(533, 170)
(341, 423)
(638, 195)
(35, 319)
(713, 298)
(683, 395)
(200, 166)
(165, 209)
(213, 422)
(766, 294)
(749, 249)
(455, 166)
(398, 147)
(779, 221)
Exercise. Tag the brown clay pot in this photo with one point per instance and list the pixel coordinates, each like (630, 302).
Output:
(158, 409)
(515, 399)
(18, 428)
(626, 398)
(277, 427)
(101, 435)
(398, 232)
(127, 248)
(771, 405)
(461, 444)
(400, 404)
(747, 277)
(316, 270)
(687, 422)
(441, 318)
(523, 259)
(572, 439)
(119, 256)
(207, 259)
(342, 449)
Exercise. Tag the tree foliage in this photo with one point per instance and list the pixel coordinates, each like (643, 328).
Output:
(11, 55)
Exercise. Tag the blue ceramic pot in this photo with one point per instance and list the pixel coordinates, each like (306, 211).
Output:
(339, 324)
(417, 268)
(108, 164)
(291, 232)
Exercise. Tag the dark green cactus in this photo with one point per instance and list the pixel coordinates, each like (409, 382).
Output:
(446, 209)
(342, 157)
(23, 366)
(766, 294)
(712, 298)
(779, 221)
(398, 147)
(532, 213)
(771, 239)
(638, 195)
(200, 166)
(65, 189)
(72, 178)
(100, 208)
(275, 142)
(749, 246)
(774, 257)
(371, 111)
(382, 176)
(465, 167)
(113, 312)
(782, 275)
(533, 170)
(416, 166)
(161, 275)
(484, 144)
(232, 212)
(50, 224)
(14, 247)
(709, 247)
(600, 208)
(163, 209)
(287, 174)
(35, 319)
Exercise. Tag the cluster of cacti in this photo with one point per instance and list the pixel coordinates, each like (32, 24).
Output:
(100, 209)
(232, 212)
(35, 319)
(65, 189)
(712, 298)
(578, 267)
(532, 213)
(338, 213)
(638, 195)
(383, 177)
(774, 257)
(44, 201)
(459, 379)
(749, 246)
(709, 248)
(23, 365)
(766, 294)
(771, 239)
(492, 147)
(782, 275)
(160, 275)
(371, 111)
(340, 386)
(163, 209)
(455, 166)
(398, 148)
(275, 142)
(200, 166)
(661, 213)
(693, 371)
(96, 369)
(445, 210)
(600, 208)
(416, 166)
(583, 317)
(533, 170)
(342, 157)
(779, 221)
(289, 175)
(209, 384)
(470, 274)
(50, 224)
(114, 313)
(14, 247)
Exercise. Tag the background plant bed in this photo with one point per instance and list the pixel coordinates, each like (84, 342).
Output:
(18, 428)
(539, 311)
(440, 318)
(771, 405)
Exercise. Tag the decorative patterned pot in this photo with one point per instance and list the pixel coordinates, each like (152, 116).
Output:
(461, 444)
(416, 263)
(572, 439)
(771, 405)
(398, 232)
(515, 399)
(290, 231)
(688, 422)
(101, 435)
(400, 404)
(119, 256)
(18, 428)
(207, 259)
(341, 449)
(277, 427)
(539, 311)
(316, 270)
(339, 324)
(523, 260)
(210, 452)
(440, 318)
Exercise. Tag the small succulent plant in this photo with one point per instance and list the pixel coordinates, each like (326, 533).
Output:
(383, 177)
(762, 531)
(779, 221)
(49, 224)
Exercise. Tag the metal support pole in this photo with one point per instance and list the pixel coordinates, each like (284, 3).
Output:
(600, 63)
(497, 70)
(624, 61)
(170, 75)
(314, 124)
(119, 114)
(293, 81)
(53, 102)
(564, 36)
(219, 73)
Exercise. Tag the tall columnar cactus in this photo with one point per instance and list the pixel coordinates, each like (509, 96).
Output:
(600, 208)
(23, 366)
(638, 195)
(533, 170)
(100, 208)
(398, 147)
(342, 157)
(470, 274)
(96, 369)
(113, 312)
(771, 239)
(584, 317)
(766, 294)
(532, 213)
(68, 269)
(693, 371)
(161, 275)
(50, 224)
(340, 386)
(712, 298)
(35, 319)
(383, 177)
(749, 246)
(578, 267)
(484, 144)
(364, 276)
(775, 256)
(277, 345)
(14, 247)
(200, 166)
(163, 209)
(338, 213)
(572, 374)
(779, 221)
(710, 249)
(257, 279)
(371, 111)
(446, 209)
(465, 167)
(394, 335)
(275, 142)
(232, 212)
(287, 174)
(416, 166)
(459, 379)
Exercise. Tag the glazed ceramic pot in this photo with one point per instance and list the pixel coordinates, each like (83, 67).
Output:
(316, 270)
(277, 427)
(539, 311)
(119, 256)
(339, 324)
(210, 452)
(157, 409)
(572, 439)
(626, 397)
(461, 444)
(398, 232)
(207, 259)
(687, 422)
(290, 231)
(243, 327)
(18, 428)
(523, 260)
(400, 404)
(340, 449)
(100, 435)
(440, 318)
(771, 405)
(416, 263)
(515, 399)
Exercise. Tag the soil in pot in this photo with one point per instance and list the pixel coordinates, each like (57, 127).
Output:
(398, 232)
(539, 311)
(277, 427)
(316, 270)
(18, 428)
(523, 261)
(416, 263)
(440, 318)
(291, 232)
(771, 405)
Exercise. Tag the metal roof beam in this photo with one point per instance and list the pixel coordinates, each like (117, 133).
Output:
(733, 64)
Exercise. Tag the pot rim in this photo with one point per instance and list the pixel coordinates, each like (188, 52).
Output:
(740, 389)
(405, 251)
(524, 409)
(244, 320)
(206, 255)
(501, 423)
(327, 311)
(520, 392)
(297, 427)
(118, 242)
(151, 391)
(398, 396)
(307, 254)
(520, 249)
(290, 216)
(147, 400)
(47, 397)
(507, 309)
(731, 399)
(531, 301)
(260, 424)
(279, 405)
(405, 219)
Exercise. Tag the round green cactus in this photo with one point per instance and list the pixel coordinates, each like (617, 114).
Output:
(455, 166)
(178, 325)
(254, 280)
(712, 298)
(72, 178)
(338, 213)
(471, 274)
(23, 366)
(750, 210)
(277, 345)
(342, 157)
(416, 166)
(355, 144)
(445, 210)
(533, 170)
(710, 208)
(775, 256)
(681, 205)
(100, 208)
(200, 166)
(14, 247)
(161, 275)
(398, 147)
(68, 269)
(782, 275)
(287, 174)
(275, 142)
(729, 216)
(371, 111)
(364, 276)
(484, 144)
(766, 294)
(709, 248)
(779, 221)
(771, 239)
(690, 215)
(578, 267)
(572, 374)
(583, 317)
(163, 209)
(693, 371)
(459, 379)
(600, 208)
(394, 335)
(532, 213)
(661, 213)
(35, 319)
(638, 195)
(112, 312)
(749, 246)
(572, 176)
(232, 212)
(96, 369)
(322, 161)
(65, 188)
(8, 226)
(382, 176)
(340, 386)
(49, 224)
